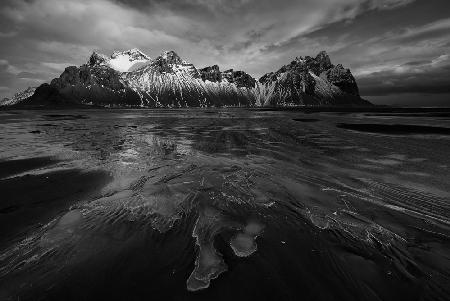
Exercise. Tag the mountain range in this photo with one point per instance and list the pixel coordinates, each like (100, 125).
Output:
(133, 79)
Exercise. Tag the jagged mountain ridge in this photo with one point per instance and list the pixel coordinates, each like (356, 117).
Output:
(311, 81)
(166, 81)
(239, 78)
(132, 79)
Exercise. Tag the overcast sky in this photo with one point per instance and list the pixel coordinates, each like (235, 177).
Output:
(398, 50)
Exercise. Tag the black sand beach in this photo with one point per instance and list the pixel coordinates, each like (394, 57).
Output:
(224, 204)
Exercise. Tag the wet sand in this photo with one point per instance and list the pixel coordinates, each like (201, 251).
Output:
(30, 201)
(224, 204)
(13, 167)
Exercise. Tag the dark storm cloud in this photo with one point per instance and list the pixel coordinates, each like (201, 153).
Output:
(40, 37)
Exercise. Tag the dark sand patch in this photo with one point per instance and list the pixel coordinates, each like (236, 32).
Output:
(395, 129)
(306, 119)
(9, 209)
(34, 199)
(12, 167)
(66, 116)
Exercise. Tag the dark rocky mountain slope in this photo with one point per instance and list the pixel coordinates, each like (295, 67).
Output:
(311, 81)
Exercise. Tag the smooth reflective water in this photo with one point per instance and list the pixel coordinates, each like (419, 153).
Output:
(223, 204)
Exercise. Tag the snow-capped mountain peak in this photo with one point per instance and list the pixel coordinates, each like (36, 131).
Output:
(169, 62)
(123, 61)
(133, 54)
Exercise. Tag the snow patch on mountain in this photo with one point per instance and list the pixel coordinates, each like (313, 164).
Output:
(125, 60)
(121, 61)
